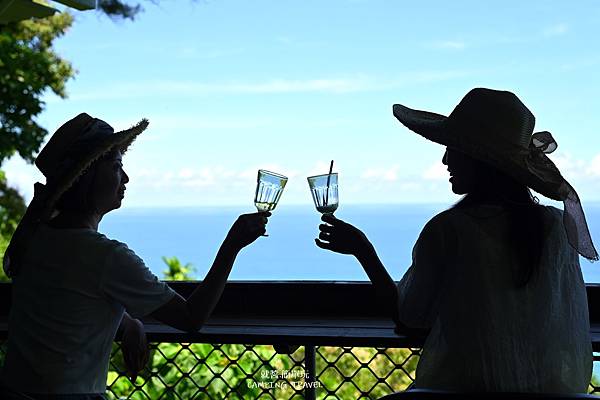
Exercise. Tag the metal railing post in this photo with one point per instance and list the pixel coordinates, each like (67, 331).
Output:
(310, 390)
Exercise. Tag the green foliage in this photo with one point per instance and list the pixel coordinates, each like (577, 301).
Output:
(3, 246)
(594, 383)
(176, 271)
(233, 371)
(29, 67)
(360, 370)
(178, 370)
(12, 208)
(216, 369)
(117, 9)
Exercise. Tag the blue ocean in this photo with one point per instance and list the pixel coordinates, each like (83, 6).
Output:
(194, 234)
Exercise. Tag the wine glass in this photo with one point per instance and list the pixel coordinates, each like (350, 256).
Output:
(269, 187)
(324, 190)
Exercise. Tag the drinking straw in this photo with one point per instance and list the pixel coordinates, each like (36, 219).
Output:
(328, 177)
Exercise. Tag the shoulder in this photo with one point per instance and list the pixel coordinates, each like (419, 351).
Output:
(111, 246)
(121, 253)
(86, 240)
(123, 264)
(107, 249)
(442, 221)
(456, 222)
(552, 213)
(439, 227)
(553, 223)
(443, 218)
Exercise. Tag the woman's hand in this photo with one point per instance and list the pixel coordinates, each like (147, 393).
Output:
(134, 346)
(246, 229)
(341, 237)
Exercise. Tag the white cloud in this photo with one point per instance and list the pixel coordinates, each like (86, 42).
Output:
(582, 63)
(320, 168)
(186, 177)
(22, 176)
(349, 84)
(162, 126)
(284, 39)
(185, 173)
(182, 88)
(556, 30)
(182, 123)
(190, 177)
(448, 45)
(570, 167)
(411, 186)
(436, 171)
(594, 167)
(194, 53)
(385, 174)
(221, 184)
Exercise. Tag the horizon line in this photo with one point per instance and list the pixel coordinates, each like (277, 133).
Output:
(310, 205)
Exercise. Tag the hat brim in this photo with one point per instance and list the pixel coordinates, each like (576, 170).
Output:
(119, 140)
(535, 170)
(430, 125)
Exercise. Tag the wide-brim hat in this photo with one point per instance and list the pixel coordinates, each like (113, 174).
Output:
(68, 154)
(73, 148)
(497, 128)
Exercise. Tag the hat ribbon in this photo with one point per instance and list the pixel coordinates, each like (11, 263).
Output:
(543, 141)
(574, 221)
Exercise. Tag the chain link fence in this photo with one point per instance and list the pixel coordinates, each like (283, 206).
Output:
(230, 371)
(184, 371)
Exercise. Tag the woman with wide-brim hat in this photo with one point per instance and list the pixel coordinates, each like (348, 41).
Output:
(495, 278)
(73, 287)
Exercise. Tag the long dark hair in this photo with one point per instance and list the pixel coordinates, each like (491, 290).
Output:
(525, 221)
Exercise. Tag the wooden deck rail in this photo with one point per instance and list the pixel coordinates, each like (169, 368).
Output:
(297, 313)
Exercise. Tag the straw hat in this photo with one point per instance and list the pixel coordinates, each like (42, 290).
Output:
(497, 128)
(73, 148)
(67, 155)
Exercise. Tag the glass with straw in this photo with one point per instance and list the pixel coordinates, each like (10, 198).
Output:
(324, 190)
(269, 187)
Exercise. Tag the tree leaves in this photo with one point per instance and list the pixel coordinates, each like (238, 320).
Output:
(176, 271)
(29, 68)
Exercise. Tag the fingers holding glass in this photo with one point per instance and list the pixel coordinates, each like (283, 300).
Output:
(326, 228)
(255, 224)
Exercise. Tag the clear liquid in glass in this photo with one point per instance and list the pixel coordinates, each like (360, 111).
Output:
(264, 206)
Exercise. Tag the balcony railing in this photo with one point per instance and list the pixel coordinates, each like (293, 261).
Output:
(280, 340)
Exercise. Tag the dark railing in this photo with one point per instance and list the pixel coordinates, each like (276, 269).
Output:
(280, 340)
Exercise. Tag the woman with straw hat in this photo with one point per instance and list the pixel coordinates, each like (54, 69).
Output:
(73, 287)
(495, 278)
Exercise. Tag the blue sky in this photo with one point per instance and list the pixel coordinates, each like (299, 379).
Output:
(233, 86)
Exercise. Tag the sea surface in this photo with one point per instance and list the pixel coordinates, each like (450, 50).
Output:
(194, 234)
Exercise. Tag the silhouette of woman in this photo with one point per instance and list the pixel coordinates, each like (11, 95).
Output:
(73, 287)
(496, 277)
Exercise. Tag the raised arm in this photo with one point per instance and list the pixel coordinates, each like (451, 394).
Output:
(191, 313)
(342, 237)
(414, 302)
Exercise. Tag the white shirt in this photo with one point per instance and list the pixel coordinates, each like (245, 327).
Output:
(67, 303)
(487, 334)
